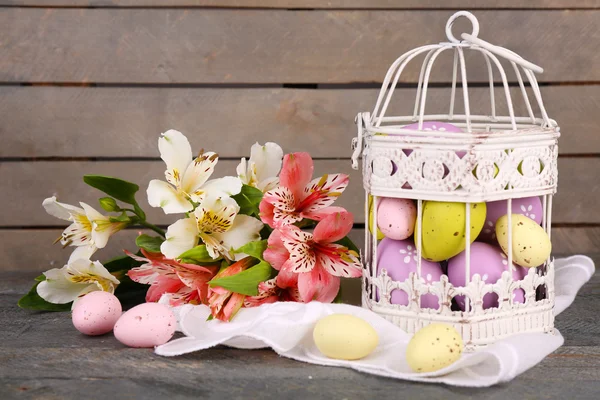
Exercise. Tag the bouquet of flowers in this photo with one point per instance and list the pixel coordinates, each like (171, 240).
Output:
(268, 234)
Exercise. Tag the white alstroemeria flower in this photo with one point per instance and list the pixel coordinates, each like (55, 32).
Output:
(75, 280)
(187, 179)
(263, 167)
(217, 223)
(89, 231)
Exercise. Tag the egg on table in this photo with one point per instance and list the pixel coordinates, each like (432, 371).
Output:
(399, 259)
(530, 207)
(146, 325)
(434, 347)
(396, 217)
(531, 245)
(96, 313)
(345, 337)
(489, 262)
(443, 226)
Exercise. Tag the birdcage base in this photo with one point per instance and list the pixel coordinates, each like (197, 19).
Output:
(479, 327)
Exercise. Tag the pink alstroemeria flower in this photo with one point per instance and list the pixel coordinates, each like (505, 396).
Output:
(298, 197)
(223, 303)
(184, 283)
(313, 262)
(269, 292)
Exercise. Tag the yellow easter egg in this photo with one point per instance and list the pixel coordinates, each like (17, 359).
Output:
(345, 337)
(531, 245)
(434, 347)
(444, 228)
(379, 234)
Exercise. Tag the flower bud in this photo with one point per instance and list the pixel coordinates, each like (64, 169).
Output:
(109, 204)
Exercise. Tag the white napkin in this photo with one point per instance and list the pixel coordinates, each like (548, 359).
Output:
(287, 329)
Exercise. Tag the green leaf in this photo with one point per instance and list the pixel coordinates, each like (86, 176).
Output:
(347, 242)
(115, 187)
(33, 301)
(248, 199)
(40, 278)
(121, 218)
(122, 263)
(150, 243)
(109, 204)
(198, 254)
(254, 249)
(246, 282)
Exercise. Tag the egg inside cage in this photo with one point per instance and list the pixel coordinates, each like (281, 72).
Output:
(458, 205)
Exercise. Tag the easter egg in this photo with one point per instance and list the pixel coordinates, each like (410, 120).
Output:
(379, 234)
(96, 313)
(396, 217)
(530, 207)
(434, 347)
(531, 245)
(146, 325)
(444, 228)
(489, 262)
(434, 126)
(345, 337)
(399, 259)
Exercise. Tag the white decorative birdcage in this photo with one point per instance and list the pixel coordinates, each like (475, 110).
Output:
(498, 156)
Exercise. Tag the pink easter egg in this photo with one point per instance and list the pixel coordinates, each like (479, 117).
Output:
(435, 126)
(396, 217)
(146, 325)
(530, 207)
(96, 313)
(399, 258)
(489, 262)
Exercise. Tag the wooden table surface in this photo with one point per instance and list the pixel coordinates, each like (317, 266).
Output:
(43, 357)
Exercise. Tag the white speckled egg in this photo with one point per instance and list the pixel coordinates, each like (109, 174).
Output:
(96, 313)
(146, 325)
(531, 245)
(396, 217)
(345, 337)
(434, 347)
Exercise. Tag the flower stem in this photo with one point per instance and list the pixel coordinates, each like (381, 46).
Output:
(152, 226)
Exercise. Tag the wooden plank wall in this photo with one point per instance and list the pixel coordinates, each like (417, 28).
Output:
(86, 86)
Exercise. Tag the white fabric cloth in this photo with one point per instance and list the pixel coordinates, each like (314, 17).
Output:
(287, 329)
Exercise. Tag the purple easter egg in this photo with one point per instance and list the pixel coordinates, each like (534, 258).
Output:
(396, 217)
(399, 258)
(435, 126)
(489, 262)
(530, 207)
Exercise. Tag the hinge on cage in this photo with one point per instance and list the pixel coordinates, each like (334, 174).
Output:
(357, 142)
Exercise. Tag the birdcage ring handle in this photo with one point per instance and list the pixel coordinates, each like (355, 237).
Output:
(454, 17)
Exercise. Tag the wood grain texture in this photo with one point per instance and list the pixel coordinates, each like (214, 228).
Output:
(26, 184)
(261, 46)
(51, 121)
(314, 4)
(16, 254)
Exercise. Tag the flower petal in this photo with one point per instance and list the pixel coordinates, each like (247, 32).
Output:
(318, 215)
(338, 261)
(266, 213)
(322, 192)
(161, 194)
(245, 229)
(216, 214)
(268, 184)
(197, 173)
(181, 236)
(226, 186)
(57, 289)
(101, 226)
(235, 302)
(242, 171)
(333, 228)
(276, 254)
(302, 256)
(162, 285)
(82, 252)
(318, 285)
(267, 160)
(286, 278)
(176, 152)
(281, 198)
(95, 270)
(60, 210)
(296, 172)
